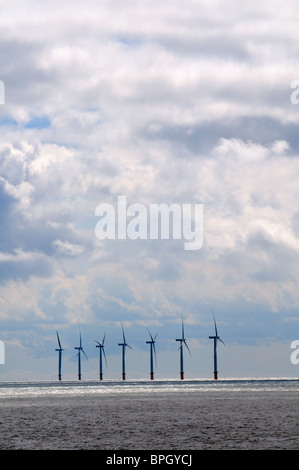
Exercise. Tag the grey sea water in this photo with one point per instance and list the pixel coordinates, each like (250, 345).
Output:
(143, 415)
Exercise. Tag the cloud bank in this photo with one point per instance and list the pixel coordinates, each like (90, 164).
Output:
(169, 103)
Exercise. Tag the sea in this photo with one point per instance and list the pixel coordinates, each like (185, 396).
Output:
(169, 415)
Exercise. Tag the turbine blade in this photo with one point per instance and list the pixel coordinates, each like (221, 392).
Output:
(123, 334)
(150, 334)
(216, 332)
(80, 340)
(59, 344)
(221, 341)
(105, 356)
(155, 336)
(183, 331)
(84, 353)
(187, 346)
(97, 342)
(103, 340)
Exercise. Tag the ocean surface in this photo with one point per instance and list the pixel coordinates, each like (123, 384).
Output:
(150, 415)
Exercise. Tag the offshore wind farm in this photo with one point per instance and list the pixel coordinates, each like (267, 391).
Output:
(212, 413)
(152, 353)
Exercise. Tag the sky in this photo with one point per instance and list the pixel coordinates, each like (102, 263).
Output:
(161, 102)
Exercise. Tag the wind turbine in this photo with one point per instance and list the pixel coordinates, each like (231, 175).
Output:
(102, 353)
(124, 345)
(183, 342)
(80, 348)
(59, 349)
(152, 353)
(215, 338)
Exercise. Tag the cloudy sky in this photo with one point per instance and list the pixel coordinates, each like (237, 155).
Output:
(162, 102)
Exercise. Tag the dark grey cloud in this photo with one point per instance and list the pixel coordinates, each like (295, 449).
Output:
(20, 266)
(201, 138)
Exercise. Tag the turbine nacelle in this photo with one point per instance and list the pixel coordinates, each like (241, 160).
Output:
(59, 343)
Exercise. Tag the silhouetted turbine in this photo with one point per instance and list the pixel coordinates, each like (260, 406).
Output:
(216, 338)
(101, 353)
(182, 343)
(124, 345)
(80, 348)
(152, 353)
(59, 349)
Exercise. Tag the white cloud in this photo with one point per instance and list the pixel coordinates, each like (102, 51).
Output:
(20, 301)
(67, 248)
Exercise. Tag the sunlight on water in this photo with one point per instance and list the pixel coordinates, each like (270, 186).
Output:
(75, 388)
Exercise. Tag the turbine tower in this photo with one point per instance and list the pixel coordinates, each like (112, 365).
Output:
(59, 349)
(182, 343)
(216, 337)
(101, 353)
(124, 345)
(80, 348)
(152, 353)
